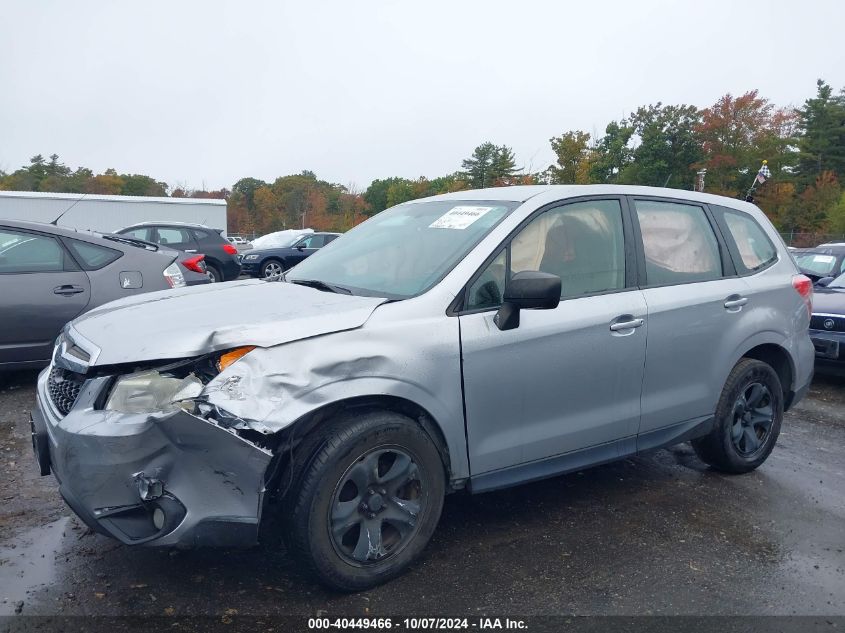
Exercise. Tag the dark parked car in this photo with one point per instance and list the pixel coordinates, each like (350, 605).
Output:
(272, 262)
(220, 256)
(827, 260)
(49, 275)
(827, 325)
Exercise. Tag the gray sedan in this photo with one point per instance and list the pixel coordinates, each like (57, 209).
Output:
(49, 275)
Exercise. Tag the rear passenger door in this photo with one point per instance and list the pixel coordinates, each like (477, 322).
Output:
(694, 299)
(42, 288)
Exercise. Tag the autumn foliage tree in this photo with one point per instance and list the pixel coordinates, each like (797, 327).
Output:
(656, 144)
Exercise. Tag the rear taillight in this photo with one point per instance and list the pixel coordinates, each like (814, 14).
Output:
(230, 249)
(173, 276)
(804, 286)
(195, 263)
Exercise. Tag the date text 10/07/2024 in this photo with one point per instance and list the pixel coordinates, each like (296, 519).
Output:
(412, 624)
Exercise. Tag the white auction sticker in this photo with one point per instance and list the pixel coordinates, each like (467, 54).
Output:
(459, 217)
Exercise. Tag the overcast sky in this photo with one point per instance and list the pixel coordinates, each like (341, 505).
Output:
(202, 93)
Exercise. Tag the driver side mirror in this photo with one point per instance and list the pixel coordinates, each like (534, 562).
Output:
(527, 290)
(300, 247)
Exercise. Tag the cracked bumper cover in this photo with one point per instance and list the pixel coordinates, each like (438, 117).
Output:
(109, 466)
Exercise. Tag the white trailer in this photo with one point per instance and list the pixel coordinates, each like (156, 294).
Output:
(107, 214)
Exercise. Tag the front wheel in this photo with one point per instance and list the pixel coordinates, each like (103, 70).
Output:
(272, 269)
(748, 419)
(367, 501)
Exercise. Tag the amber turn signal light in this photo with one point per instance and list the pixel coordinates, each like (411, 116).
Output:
(231, 356)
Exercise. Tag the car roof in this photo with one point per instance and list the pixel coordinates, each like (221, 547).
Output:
(113, 240)
(189, 225)
(521, 193)
(46, 227)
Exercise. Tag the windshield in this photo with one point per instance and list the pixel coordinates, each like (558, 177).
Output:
(839, 282)
(818, 263)
(402, 252)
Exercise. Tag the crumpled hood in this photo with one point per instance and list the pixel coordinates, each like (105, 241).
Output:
(829, 301)
(191, 321)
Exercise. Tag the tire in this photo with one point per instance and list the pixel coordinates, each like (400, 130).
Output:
(373, 539)
(214, 273)
(272, 268)
(741, 439)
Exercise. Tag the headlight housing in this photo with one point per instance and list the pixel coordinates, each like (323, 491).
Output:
(150, 391)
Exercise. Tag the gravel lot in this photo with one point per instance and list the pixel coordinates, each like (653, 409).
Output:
(656, 534)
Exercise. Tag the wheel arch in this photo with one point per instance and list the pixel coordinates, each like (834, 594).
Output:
(303, 434)
(778, 359)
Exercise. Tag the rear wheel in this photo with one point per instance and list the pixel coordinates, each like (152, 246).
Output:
(213, 273)
(272, 269)
(748, 419)
(367, 502)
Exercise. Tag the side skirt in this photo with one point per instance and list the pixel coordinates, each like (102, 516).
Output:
(588, 457)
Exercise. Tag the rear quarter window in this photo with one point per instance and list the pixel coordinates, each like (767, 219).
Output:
(93, 256)
(754, 250)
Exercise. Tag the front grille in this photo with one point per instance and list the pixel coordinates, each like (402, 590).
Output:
(63, 387)
(827, 323)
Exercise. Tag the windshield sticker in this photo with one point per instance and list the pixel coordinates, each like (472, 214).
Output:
(824, 259)
(459, 217)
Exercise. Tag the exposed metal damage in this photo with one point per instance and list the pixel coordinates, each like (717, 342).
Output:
(182, 438)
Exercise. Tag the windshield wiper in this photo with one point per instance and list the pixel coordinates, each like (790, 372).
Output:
(321, 285)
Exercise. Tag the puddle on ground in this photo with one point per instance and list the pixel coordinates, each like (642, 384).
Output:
(28, 562)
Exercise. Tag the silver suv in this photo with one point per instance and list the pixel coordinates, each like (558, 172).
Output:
(470, 341)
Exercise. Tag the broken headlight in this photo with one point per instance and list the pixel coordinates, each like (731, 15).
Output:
(148, 391)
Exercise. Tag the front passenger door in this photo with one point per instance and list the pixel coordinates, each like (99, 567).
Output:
(565, 379)
(305, 247)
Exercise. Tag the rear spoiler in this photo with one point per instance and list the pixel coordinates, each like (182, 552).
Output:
(132, 241)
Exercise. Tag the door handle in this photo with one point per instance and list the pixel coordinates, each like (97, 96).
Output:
(68, 290)
(626, 325)
(735, 302)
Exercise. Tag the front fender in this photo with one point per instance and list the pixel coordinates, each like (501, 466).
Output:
(271, 388)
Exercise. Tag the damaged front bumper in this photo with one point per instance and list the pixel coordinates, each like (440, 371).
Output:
(169, 479)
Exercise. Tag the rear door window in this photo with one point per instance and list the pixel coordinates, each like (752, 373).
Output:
(140, 234)
(29, 253)
(174, 237)
(678, 243)
(753, 246)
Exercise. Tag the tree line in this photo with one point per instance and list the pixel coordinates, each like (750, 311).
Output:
(674, 145)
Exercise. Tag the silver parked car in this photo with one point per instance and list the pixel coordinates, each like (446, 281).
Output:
(470, 341)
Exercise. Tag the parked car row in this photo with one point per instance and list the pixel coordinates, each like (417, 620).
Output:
(221, 257)
(470, 341)
(49, 275)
